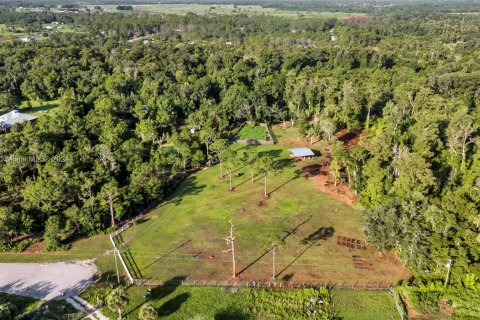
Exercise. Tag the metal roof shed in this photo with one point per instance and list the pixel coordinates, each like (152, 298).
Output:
(302, 152)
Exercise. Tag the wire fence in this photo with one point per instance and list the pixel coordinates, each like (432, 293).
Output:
(370, 286)
(129, 267)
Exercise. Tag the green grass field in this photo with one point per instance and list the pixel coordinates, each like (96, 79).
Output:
(37, 108)
(200, 9)
(184, 236)
(184, 302)
(89, 248)
(364, 305)
(251, 132)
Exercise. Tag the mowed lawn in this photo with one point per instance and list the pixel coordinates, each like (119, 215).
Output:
(184, 236)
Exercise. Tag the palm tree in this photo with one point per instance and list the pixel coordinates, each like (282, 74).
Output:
(148, 312)
(117, 300)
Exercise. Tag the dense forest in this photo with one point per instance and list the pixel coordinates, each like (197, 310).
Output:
(120, 137)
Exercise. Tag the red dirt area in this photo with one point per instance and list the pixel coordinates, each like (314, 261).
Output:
(297, 142)
(350, 138)
(319, 175)
(37, 247)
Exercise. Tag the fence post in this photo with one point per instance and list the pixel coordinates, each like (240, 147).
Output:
(397, 303)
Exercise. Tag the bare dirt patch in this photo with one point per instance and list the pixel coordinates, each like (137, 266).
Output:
(321, 178)
(297, 142)
(37, 247)
(350, 138)
(412, 313)
(320, 175)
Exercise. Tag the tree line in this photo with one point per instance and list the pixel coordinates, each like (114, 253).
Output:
(408, 82)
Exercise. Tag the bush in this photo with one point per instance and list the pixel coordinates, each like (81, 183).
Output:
(464, 296)
(291, 304)
(52, 231)
(7, 311)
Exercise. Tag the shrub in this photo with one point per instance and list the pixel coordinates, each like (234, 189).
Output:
(52, 230)
(464, 296)
(291, 304)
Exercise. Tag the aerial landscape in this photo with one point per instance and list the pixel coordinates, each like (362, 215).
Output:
(239, 159)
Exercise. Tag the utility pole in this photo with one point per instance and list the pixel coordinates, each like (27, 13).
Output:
(116, 264)
(231, 242)
(449, 267)
(273, 261)
(115, 256)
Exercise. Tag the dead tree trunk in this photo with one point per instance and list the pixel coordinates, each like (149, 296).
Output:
(231, 242)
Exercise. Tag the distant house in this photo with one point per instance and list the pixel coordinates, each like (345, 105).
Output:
(13, 117)
(301, 153)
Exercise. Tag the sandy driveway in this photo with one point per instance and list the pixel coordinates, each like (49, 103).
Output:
(46, 281)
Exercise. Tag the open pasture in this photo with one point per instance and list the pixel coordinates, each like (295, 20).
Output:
(217, 9)
(183, 237)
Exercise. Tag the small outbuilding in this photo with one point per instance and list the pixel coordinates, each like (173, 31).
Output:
(13, 117)
(301, 153)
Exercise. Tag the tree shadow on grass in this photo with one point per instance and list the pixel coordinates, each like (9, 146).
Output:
(167, 288)
(232, 313)
(289, 233)
(252, 263)
(173, 305)
(294, 230)
(322, 233)
(275, 153)
(288, 277)
(297, 174)
(132, 264)
(167, 254)
(160, 292)
(283, 163)
(187, 188)
(241, 183)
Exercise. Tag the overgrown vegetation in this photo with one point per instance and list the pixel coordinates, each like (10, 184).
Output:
(183, 302)
(16, 307)
(290, 304)
(459, 299)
